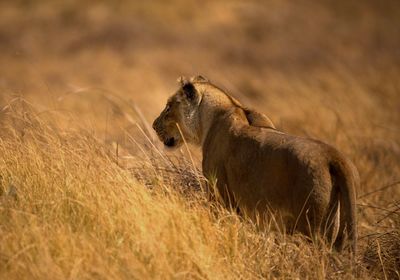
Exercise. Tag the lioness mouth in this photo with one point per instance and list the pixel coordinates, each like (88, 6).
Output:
(170, 142)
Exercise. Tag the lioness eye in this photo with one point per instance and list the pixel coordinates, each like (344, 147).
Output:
(167, 108)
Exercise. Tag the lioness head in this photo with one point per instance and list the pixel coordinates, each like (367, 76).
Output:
(189, 112)
(180, 117)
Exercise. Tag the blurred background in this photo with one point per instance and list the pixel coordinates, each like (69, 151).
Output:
(259, 50)
(324, 69)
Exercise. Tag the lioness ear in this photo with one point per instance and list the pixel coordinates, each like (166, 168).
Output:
(199, 79)
(182, 80)
(190, 91)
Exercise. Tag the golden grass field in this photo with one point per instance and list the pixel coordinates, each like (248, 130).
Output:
(88, 192)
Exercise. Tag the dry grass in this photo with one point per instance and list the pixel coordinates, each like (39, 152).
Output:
(86, 192)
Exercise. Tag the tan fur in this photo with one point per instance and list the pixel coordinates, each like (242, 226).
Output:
(307, 185)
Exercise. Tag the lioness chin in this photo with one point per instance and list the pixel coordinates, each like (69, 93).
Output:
(307, 185)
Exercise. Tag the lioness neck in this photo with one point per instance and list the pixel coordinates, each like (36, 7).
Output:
(221, 120)
(215, 104)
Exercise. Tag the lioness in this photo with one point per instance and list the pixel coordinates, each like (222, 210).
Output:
(309, 185)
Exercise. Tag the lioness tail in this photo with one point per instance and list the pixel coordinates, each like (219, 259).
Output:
(345, 181)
